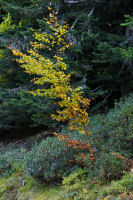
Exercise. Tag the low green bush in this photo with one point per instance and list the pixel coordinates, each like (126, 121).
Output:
(113, 132)
(10, 161)
(4, 164)
(75, 185)
(50, 160)
(107, 167)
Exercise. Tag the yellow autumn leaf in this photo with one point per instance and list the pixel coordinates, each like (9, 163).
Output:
(71, 101)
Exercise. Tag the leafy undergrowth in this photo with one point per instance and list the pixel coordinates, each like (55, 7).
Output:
(18, 186)
(75, 187)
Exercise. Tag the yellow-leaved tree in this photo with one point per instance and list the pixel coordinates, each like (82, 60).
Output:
(52, 72)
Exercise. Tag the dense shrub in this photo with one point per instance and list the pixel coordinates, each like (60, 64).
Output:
(4, 164)
(107, 167)
(51, 159)
(111, 167)
(113, 132)
(73, 185)
(10, 161)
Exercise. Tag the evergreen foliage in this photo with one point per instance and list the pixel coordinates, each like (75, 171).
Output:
(113, 131)
(22, 110)
(101, 57)
(50, 160)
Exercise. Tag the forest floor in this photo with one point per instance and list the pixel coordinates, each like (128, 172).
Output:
(18, 185)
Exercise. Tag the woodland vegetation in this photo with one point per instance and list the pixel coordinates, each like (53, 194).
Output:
(66, 100)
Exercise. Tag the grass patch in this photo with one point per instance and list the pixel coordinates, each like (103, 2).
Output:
(18, 186)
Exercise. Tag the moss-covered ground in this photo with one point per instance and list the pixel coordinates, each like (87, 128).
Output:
(21, 187)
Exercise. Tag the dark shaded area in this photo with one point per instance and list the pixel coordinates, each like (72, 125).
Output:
(95, 60)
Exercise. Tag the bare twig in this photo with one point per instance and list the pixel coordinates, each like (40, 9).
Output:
(74, 2)
(97, 88)
(73, 24)
(122, 68)
(107, 97)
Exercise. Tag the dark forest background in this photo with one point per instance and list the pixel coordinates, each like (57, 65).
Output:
(98, 58)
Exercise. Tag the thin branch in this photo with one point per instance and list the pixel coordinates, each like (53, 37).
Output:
(73, 24)
(97, 88)
(91, 12)
(74, 2)
(105, 99)
(122, 68)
